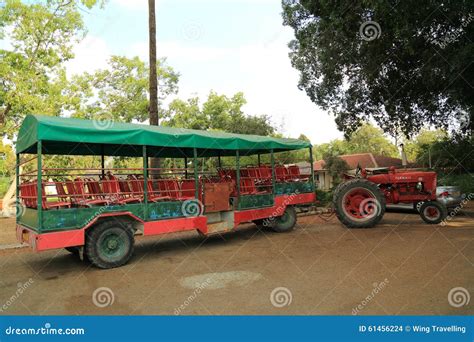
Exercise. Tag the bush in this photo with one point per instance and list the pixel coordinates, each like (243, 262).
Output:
(4, 184)
(464, 181)
(324, 197)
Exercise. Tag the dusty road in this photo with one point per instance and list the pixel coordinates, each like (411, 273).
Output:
(401, 267)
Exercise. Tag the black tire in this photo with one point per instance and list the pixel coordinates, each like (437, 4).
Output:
(286, 222)
(72, 250)
(433, 212)
(417, 206)
(367, 208)
(109, 244)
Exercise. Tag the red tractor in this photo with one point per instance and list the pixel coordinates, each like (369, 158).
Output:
(360, 201)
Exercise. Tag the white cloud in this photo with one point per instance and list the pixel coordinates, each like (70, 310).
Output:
(90, 54)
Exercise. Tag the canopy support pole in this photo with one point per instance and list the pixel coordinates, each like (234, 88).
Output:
(17, 178)
(237, 174)
(185, 167)
(39, 184)
(219, 164)
(258, 157)
(102, 160)
(145, 181)
(273, 172)
(311, 166)
(196, 177)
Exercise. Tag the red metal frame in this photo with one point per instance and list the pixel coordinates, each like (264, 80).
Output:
(70, 238)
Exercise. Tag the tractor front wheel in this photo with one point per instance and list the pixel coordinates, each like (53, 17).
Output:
(109, 244)
(359, 203)
(433, 212)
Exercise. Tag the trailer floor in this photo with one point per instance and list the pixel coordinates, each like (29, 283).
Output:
(401, 267)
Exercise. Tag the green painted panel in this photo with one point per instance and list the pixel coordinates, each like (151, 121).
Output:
(163, 210)
(75, 218)
(293, 187)
(255, 201)
(64, 219)
(29, 218)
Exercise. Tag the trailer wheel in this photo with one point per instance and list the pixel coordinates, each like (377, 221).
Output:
(109, 244)
(359, 203)
(433, 212)
(285, 222)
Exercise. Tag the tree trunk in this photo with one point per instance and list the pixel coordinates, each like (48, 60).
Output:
(153, 106)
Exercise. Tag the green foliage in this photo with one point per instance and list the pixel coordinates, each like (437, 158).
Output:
(336, 167)
(324, 197)
(4, 185)
(449, 154)
(415, 148)
(121, 91)
(465, 181)
(366, 139)
(7, 160)
(42, 36)
(219, 112)
(411, 76)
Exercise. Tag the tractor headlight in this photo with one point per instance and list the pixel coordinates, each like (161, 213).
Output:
(419, 186)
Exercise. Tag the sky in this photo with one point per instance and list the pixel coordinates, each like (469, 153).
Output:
(222, 45)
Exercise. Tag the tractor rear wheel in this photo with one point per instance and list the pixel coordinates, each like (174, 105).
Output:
(433, 212)
(109, 244)
(359, 203)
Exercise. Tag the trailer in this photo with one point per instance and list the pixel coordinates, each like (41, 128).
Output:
(96, 212)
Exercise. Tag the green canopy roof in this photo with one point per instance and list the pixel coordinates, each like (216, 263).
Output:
(71, 136)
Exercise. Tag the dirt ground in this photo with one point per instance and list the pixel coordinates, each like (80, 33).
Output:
(401, 267)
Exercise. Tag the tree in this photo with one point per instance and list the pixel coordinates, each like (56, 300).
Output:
(414, 71)
(219, 112)
(414, 148)
(41, 37)
(121, 91)
(366, 139)
(336, 168)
